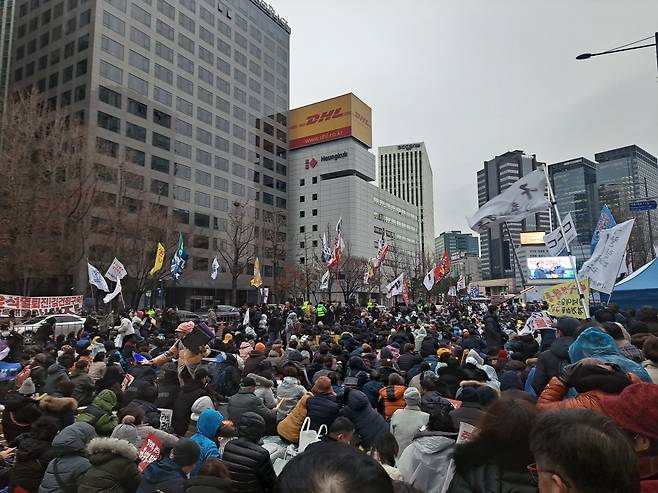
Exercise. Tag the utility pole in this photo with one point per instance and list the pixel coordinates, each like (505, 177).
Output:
(646, 194)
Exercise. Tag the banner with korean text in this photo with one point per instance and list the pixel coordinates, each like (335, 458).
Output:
(41, 304)
(563, 300)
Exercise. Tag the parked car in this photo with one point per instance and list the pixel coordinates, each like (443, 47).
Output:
(64, 323)
(186, 316)
(225, 313)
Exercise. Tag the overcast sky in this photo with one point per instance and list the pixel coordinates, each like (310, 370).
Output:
(476, 78)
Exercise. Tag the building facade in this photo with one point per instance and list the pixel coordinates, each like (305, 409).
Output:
(330, 177)
(575, 187)
(187, 105)
(621, 177)
(405, 171)
(497, 255)
(456, 242)
(6, 41)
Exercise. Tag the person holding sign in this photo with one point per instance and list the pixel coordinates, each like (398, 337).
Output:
(189, 353)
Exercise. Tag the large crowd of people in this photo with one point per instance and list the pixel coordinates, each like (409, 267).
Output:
(458, 397)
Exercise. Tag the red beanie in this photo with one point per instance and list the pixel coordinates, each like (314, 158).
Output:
(634, 409)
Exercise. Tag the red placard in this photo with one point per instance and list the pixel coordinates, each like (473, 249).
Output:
(150, 452)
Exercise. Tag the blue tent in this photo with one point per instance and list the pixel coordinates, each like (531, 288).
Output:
(639, 289)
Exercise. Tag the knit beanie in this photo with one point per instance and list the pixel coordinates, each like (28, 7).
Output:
(28, 387)
(186, 452)
(323, 385)
(260, 347)
(126, 430)
(412, 396)
(634, 409)
(185, 327)
(200, 405)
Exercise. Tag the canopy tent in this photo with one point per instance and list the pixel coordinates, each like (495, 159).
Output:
(639, 289)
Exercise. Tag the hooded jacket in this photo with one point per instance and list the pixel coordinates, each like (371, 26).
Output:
(33, 454)
(264, 390)
(594, 343)
(251, 363)
(493, 334)
(19, 414)
(406, 424)
(323, 409)
(368, 422)
(245, 401)
(291, 425)
(162, 476)
(186, 357)
(55, 374)
(289, 391)
(99, 413)
(62, 408)
(113, 467)
(425, 461)
(550, 362)
(84, 388)
(392, 398)
(65, 470)
(207, 429)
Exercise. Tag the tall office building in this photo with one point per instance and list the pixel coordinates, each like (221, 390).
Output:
(405, 171)
(497, 260)
(457, 242)
(6, 38)
(621, 176)
(187, 102)
(575, 187)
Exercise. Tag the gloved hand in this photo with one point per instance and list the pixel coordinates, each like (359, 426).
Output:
(567, 372)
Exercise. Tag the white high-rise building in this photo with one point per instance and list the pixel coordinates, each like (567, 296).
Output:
(405, 171)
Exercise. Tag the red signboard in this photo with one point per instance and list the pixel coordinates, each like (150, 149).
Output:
(150, 452)
(41, 305)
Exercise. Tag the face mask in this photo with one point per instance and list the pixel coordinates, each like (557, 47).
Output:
(4, 333)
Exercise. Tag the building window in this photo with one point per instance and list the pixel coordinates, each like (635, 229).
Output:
(81, 68)
(140, 15)
(202, 199)
(315, 180)
(315, 196)
(135, 132)
(161, 118)
(113, 23)
(138, 85)
(315, 228)
(181, 193)
(160, 188)
(181, 216)
(110, 46)
(138, 61)
(201, 220)
(80, 93)
(301, 260)
(137, 108)
(111, 72)
(107, 147)
(162, 96)
(160, 164)
(140, 38)
(302, 182)
(135, 156)
(314, 212)
(109, 122)
(302, 214)
(302, 198)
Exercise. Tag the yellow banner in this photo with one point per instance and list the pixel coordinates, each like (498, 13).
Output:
(257, 281)
(563, 299)
(159, 259)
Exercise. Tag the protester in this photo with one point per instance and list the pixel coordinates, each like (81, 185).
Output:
(288, 392)
(385, 450)
(20, 411)
(205, 437)
(578, 450)
(368, 422)
(291, 425)
(213, 477)
(551, 361)
(113, 465)
(169, 474)
(323, 408)
(391, 397)
(187, 396)
(34, 451)
(407, 422)
(246, 401)
(99, 413)
(248, 463)
(650, 350)
(187, 359)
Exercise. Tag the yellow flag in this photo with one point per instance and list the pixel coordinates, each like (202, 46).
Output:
(257, 281)
(159, 259)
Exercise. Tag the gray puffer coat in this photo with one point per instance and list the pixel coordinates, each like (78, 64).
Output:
(64, 472)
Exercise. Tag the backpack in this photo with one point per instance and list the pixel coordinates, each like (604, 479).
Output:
(223, 383)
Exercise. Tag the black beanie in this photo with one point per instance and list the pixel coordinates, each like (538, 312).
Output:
(186, 452)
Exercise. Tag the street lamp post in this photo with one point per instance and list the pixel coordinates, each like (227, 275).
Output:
(585, 56)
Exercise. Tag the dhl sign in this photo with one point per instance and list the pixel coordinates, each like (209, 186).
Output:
(328, 120)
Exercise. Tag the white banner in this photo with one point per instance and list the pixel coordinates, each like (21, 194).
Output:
(554, 240)
(521, 199)
(394, 288)
(324, 282)
(215, 269)
(110, 296)
(603, 267)
(245, 321)
(452, 291)
(116, 270)
(429, 280)
(537, 321)
(96, 278)
(461, 283)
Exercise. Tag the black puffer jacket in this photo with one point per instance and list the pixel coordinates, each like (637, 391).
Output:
(407, 361)
(33, 454)
(250, 467)
(368, 422)
(208, 484)
(322, 409)
(493, 334)
(550, 361)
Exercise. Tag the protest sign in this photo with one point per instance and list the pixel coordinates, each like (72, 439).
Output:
(165, 419)
(40, 304)
(127, 380)
(563, 299)
(465, 434)
(150, 452)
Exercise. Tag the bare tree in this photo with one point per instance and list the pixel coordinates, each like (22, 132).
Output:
(240, 246)
(350, 273)
(293, 281)
(274, 241)
(45, 193)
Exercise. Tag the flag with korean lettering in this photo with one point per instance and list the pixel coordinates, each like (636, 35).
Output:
(179, 260)
(325, 254)
(395, 287)
(606, 221)
(334, 261)
(382, 250)
(522, 198)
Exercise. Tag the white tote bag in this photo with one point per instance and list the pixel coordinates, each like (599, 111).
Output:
(308, 436)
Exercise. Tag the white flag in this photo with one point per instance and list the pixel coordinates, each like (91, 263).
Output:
(554, 240)
(604, 265)
(116, 270)
(245, 321)
(461, 283)
(264, 292)
(110, 296)
(324, 282)
(429, 280)
(521, 199)
(215, 269)
(452, 291)
(96, 278)
(395, 287)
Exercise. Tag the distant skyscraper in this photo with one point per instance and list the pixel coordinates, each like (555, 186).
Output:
(457, 242)
(6, 37)
(574, 185)
(498, 174)
(405, 171)
(621, 175)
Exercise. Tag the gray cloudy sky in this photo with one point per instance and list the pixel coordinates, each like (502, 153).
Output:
(476, 78)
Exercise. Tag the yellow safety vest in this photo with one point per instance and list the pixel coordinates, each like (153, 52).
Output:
(319, 311)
